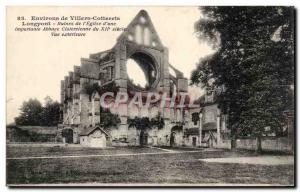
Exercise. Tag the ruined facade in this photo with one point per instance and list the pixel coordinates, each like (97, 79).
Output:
(140, 42)
(214, 132)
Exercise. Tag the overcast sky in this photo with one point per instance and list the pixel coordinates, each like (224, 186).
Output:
(36, 62)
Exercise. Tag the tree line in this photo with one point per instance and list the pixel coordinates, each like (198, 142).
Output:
(35, 114)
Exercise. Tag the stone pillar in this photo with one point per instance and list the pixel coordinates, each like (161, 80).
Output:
(76, 116)
(76, 101)
(200, 129)
(122, 110)
(65, 116)
(218, 128)
(84, 109)
(76, 133)
(186, 118)
(165, 81)
(149, 113)
(290, 129)
(121, 82)
(96, 109)
(224, 123)
(69, 113)
(123, 127)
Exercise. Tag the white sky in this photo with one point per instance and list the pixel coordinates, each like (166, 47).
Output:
(36, 62)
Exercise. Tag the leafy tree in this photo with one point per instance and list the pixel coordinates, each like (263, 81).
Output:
(158, 121)
(254, 63)
(50, 113)
(141, 123)
(33, 113)
(109, 120)
(89, 88)
(30, 113)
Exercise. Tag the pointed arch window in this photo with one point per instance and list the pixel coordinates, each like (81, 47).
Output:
(138, 34)
(147, 36)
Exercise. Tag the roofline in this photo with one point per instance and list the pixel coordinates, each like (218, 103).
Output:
(86, 134)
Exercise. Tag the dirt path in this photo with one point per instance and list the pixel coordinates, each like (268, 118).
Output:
(261, 160)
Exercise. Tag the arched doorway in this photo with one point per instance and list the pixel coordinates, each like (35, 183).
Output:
(143, 138)
(176, 136)
(68, 135)
(173, 139)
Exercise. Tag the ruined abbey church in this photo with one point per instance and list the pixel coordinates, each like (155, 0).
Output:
(81, 110)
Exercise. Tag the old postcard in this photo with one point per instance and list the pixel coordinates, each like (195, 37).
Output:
(150, 96)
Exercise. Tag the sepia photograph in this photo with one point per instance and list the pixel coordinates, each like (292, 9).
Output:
(154, 96)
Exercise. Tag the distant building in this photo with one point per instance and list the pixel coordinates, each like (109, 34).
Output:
(214, 132)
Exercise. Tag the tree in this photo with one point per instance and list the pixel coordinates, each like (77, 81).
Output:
(90, 88)
(143, 123)
(108, 120)
(254, 62)
(50, 113)
(158, 121)
(140, 123)
(30, 113)
(33, 113)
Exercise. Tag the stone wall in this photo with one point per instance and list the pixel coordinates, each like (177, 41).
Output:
(268, 144)
(30, 134)
(188, 140)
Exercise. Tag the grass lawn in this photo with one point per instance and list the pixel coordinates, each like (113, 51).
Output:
(36, 151)
(163, 167)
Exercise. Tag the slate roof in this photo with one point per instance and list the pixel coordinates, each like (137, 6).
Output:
(209, 126)
(89, 130)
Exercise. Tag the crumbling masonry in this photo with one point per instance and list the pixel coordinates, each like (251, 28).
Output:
(141, 43)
